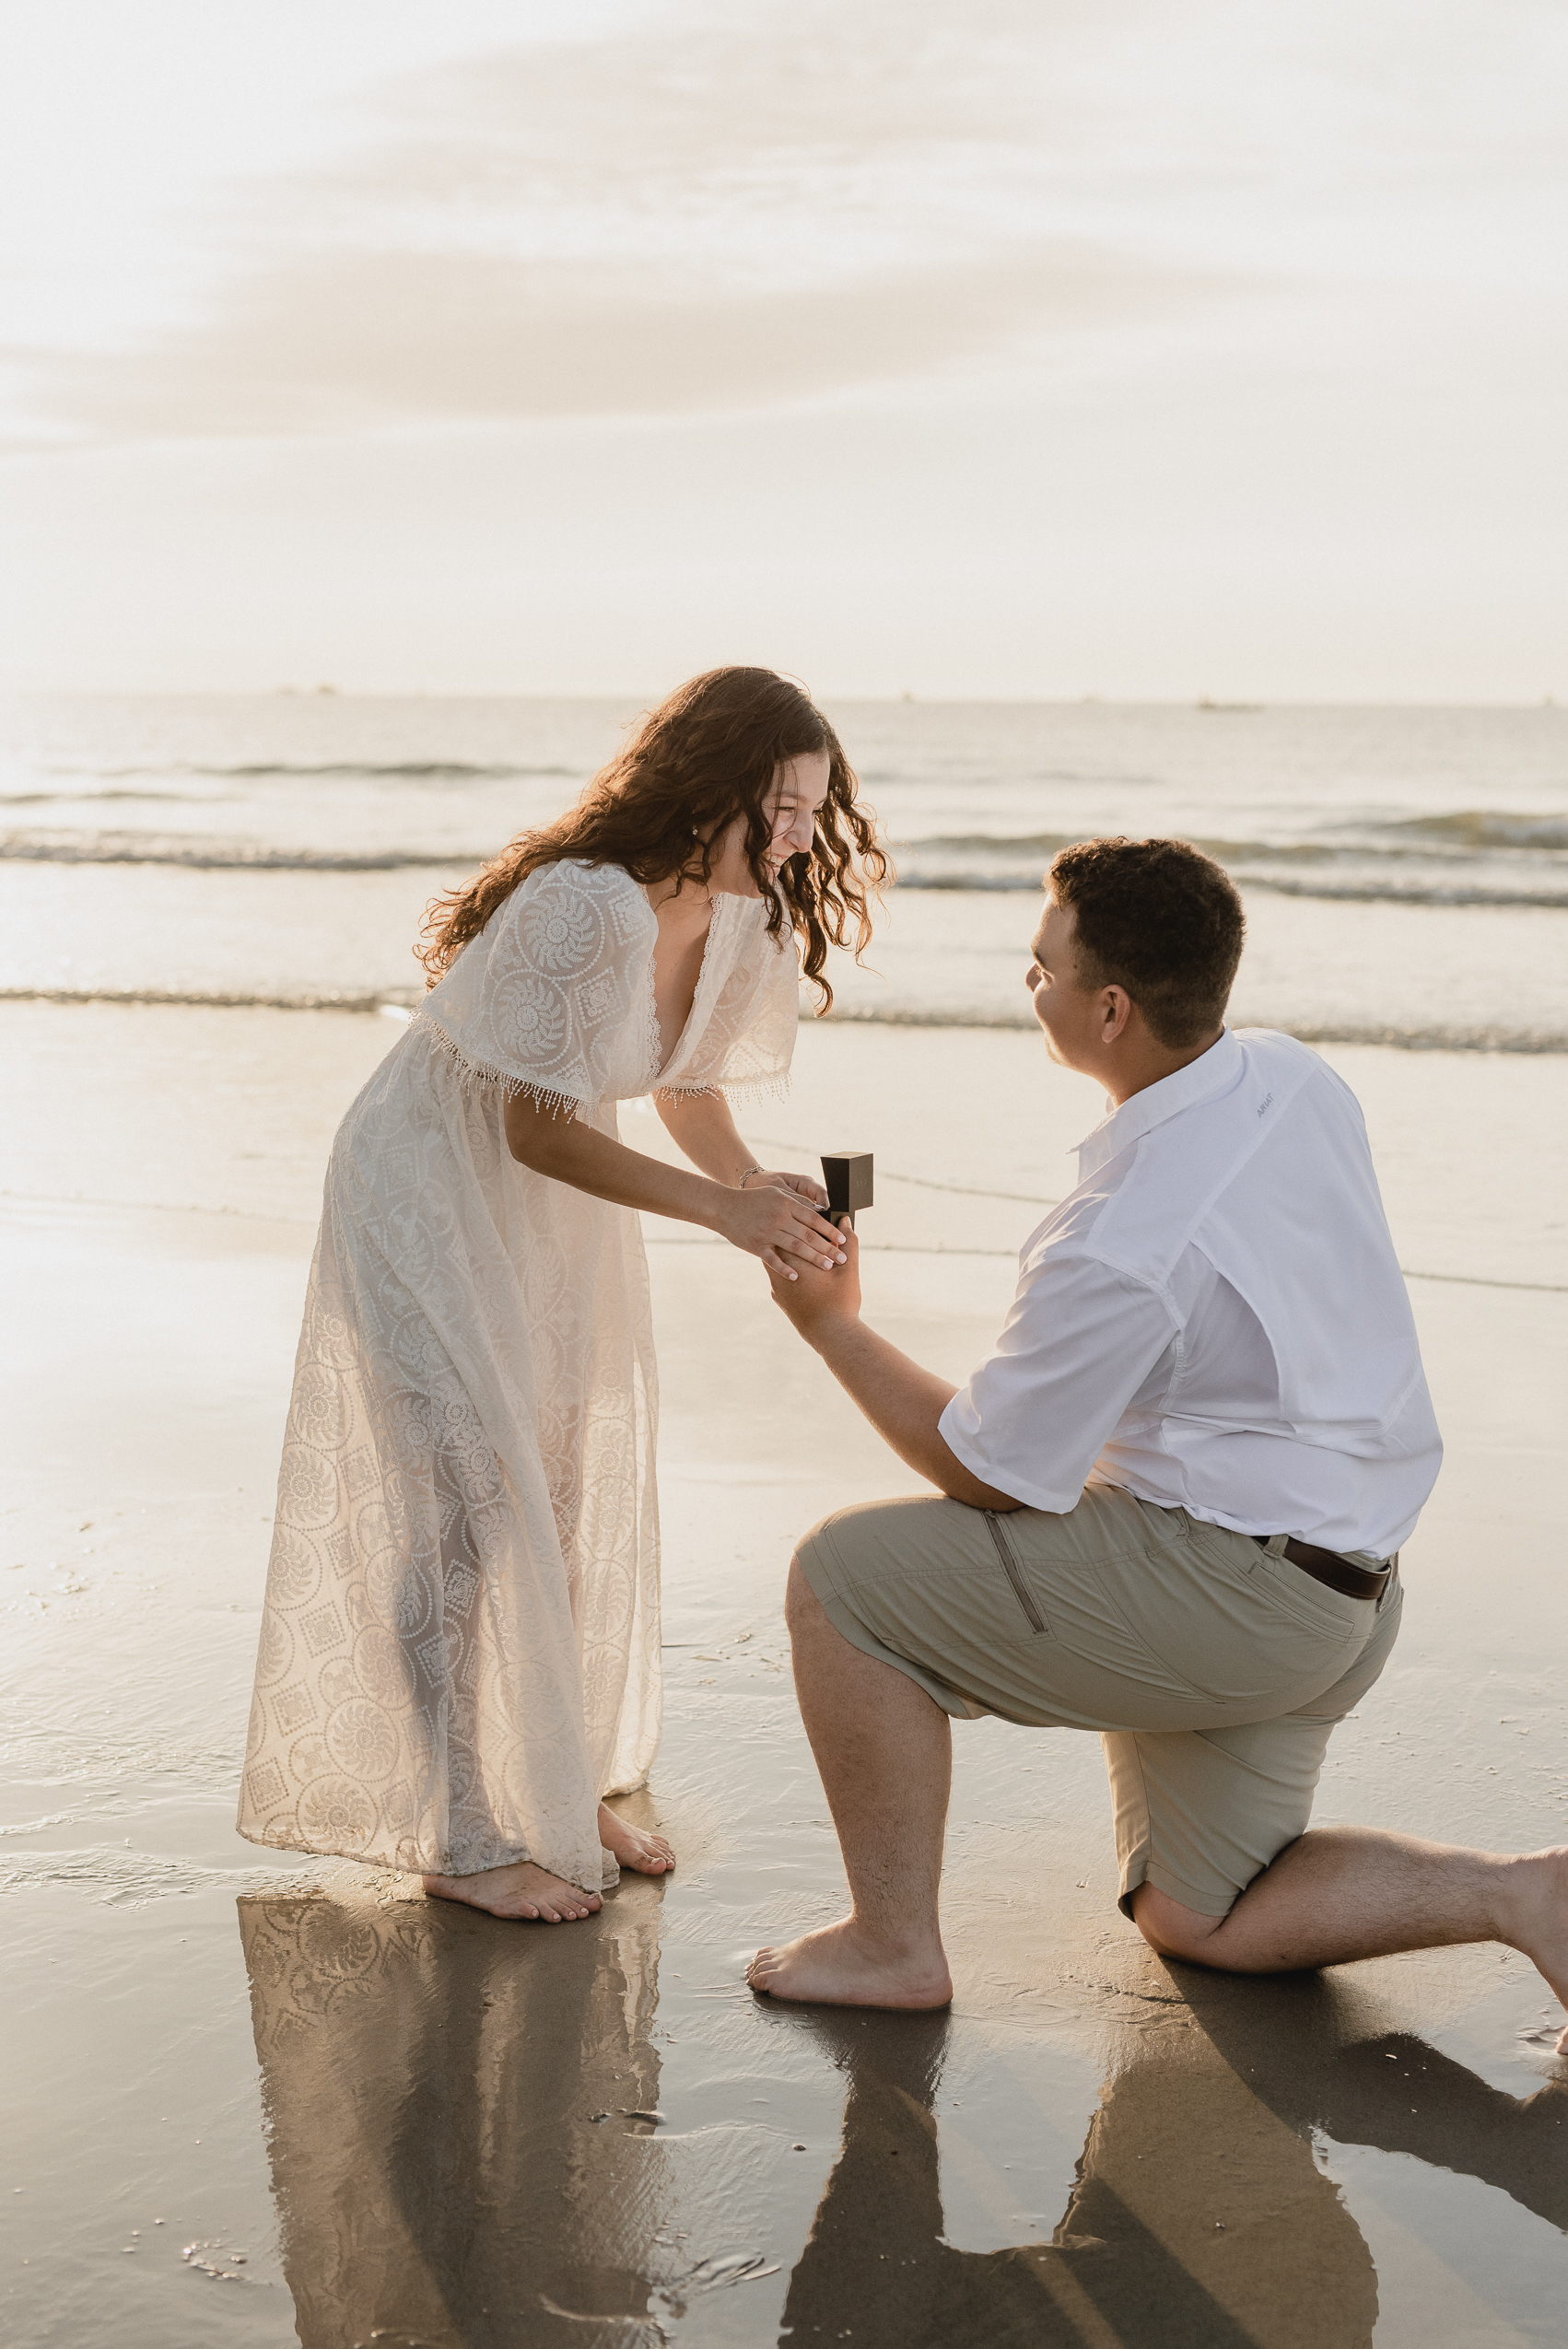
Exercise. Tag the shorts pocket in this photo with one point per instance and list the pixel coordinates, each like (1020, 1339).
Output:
(1314, 1606)
(1014, 1573)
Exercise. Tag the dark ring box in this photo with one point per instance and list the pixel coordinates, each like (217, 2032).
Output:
(848, 1176)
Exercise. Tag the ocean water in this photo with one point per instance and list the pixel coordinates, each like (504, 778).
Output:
(1404, 870)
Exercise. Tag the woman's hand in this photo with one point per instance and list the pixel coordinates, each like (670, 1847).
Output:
(803, 1184)
(773, 1217)
(778, 1221)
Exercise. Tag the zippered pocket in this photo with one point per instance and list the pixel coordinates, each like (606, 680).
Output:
(1014, 1573)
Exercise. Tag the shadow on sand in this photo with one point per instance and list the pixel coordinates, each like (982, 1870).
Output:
(464, 2153)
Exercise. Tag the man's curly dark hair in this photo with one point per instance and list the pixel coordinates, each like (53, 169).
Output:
(1160, 920)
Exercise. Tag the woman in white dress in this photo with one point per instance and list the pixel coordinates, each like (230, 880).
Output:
(460, 1648)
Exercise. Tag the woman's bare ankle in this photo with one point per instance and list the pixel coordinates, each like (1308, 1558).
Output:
(520, 1888)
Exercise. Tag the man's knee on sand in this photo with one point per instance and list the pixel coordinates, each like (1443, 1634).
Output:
(1171, 1930)
(1253, 1944)
(810, 1575)
(802, 1608)
(813, 1634)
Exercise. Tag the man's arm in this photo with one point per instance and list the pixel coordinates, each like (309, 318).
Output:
(903, 1401)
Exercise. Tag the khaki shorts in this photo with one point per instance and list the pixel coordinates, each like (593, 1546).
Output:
(1213, 1669)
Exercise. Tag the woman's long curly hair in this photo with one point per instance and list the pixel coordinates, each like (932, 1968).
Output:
(709, 754)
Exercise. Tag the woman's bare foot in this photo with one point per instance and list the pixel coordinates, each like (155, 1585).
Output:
(519, 1890)
(634, 1847)
(844, 1966)
(1539, 1918)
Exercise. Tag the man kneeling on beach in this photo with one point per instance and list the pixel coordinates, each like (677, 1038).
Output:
(1174, 1496)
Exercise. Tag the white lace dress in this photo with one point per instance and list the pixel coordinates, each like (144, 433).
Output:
(460, 1647)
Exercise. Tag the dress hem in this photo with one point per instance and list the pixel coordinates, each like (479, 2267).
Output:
(426, 1867)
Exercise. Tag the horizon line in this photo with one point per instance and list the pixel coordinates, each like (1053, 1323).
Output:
(1215, 705)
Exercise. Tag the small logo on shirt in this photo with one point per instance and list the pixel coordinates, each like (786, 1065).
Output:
(1265, 1103)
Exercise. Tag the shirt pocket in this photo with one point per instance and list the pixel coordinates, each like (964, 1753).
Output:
(1013, 1570)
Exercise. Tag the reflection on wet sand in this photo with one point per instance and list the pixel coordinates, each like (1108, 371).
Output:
(457, 2118)
(463, 2151)
(1201, 2219)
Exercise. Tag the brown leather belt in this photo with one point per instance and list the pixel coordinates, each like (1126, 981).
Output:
(1339, 1573)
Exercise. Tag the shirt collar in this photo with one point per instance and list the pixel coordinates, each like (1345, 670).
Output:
(1212, 1073)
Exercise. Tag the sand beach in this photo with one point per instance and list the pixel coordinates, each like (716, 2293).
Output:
(256, 2098)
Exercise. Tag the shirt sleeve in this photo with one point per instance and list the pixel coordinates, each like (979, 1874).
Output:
(1079, 1341)
(543, 997)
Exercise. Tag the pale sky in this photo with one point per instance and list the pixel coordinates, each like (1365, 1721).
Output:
(1147, 348)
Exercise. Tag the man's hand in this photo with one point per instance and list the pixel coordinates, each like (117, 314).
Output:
(817, 1302)
(903, 1402)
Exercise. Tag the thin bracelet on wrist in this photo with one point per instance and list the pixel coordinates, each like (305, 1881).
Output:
(741, 1185)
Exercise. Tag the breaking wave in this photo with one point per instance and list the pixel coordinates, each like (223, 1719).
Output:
(1487, 828)
(1473, 858)
(1469, 858)
(1436, 1036)
(392, 999)
(80, 798)
(223, 856)
(409, 770)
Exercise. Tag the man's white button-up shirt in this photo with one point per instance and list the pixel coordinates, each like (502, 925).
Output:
(1215, 1320)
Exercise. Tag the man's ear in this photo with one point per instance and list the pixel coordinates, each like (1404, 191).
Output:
(1118, 1012)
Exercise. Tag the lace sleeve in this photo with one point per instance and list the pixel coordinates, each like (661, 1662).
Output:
(549, 999)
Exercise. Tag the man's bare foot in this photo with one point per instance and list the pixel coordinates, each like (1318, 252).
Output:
(634, 1847)
(1539, 1919)
(519, 1890)
(842, 1966)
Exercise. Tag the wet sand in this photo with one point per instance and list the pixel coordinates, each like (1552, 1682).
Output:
(359, 2114)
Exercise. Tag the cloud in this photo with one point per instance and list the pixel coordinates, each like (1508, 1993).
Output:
(346, 341)
(699, 207)
(712, 209)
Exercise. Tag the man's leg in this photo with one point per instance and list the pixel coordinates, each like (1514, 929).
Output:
(885, 1751)
(1338, 1893)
